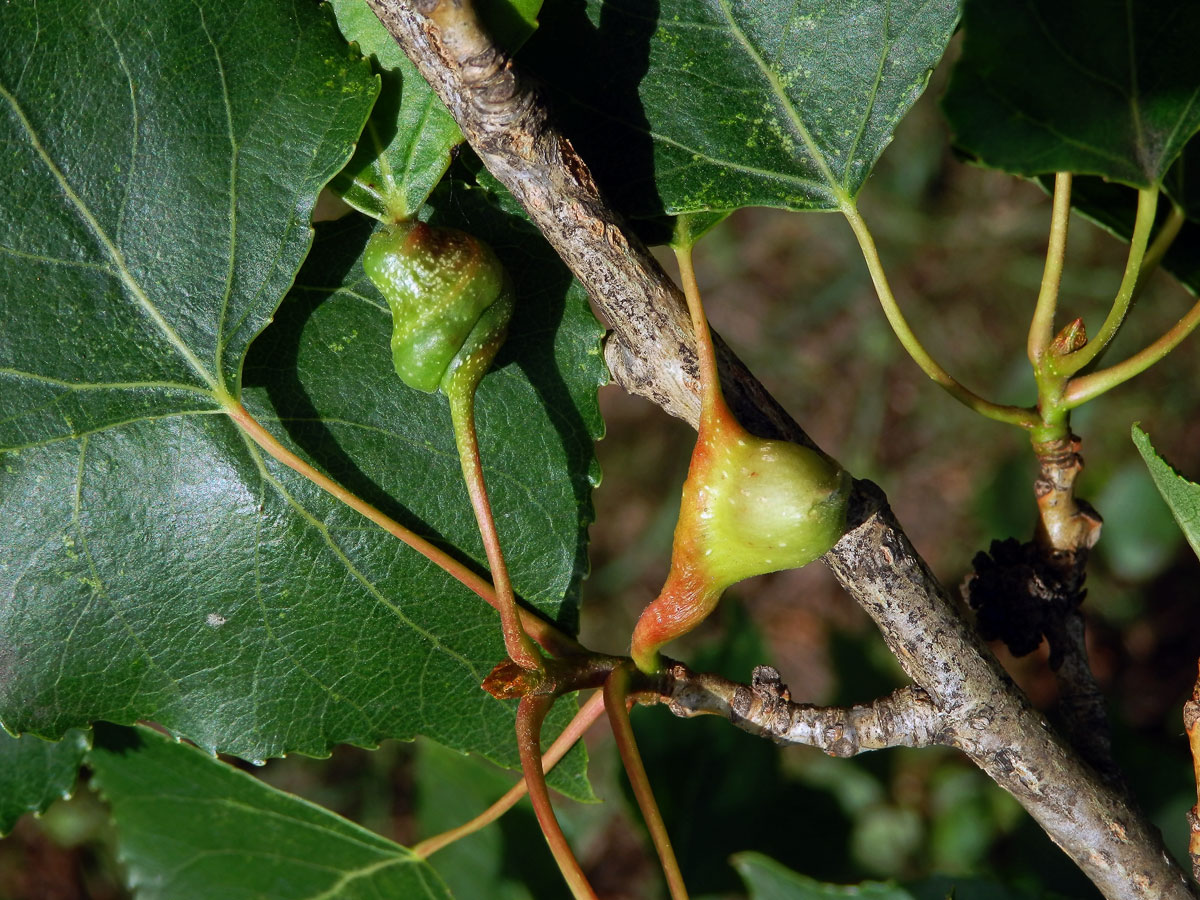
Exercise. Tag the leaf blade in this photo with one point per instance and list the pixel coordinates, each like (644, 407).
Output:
(1181, 495)
(191, 826)
(806, 99)
(412, 135)
(1033, 93)
(34, 773)
(768, 880)
(159, 566)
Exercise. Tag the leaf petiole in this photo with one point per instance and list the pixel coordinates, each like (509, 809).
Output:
(616, 701)
(531, 712)
(711, 398)
(1092, 385)
(1161, 244)
(1144, 223)
(516, 642)
(1041, 326)
(1012, 415)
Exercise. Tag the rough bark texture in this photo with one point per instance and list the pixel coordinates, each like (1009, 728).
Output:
(904, 718)
(989, 719)
(651, 353)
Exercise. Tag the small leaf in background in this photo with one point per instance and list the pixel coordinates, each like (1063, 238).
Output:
(1098, 87)
(405, 148)
(34, 773)
(190, 826)
(769, 880)
(1182, 496)
(969, 815)
(1140, 537)
(685, 106)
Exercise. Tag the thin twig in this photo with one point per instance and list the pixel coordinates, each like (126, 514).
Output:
(904, 718)
(1191, 724)
(531, 712)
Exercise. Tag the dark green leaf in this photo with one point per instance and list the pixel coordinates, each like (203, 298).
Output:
(768, 880)
(158, 175)
(34, 773)
(1140, 537)
(452, 789)
(157, 565)
(406, 146)
(1114, 207)
(685, 106)
(159, 169)
(190, 826)
(1097, 87)
(1182, 496)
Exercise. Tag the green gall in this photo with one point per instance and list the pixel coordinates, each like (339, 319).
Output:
(451, 303)
(749, 506)
(767, 506)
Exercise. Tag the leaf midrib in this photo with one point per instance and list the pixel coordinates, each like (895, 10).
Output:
(818, 157)
(234, 152)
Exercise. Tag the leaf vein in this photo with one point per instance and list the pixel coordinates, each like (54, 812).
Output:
(797, 123)
(234, 154)
(323, 530)
(109, 426)
(54, 261)
(135, 125)
(85, 214)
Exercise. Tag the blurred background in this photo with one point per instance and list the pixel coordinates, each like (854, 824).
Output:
(963, 248)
